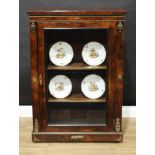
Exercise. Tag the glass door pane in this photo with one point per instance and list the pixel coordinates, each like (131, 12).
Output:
(76, 109)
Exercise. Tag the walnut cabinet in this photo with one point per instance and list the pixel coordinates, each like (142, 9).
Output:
(77, 118)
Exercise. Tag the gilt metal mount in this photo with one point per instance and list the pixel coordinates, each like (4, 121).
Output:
(119, 76)
(120, 26)
(40, 80)
(117, 125)
(36, 125)
(76, 137)
(33, 26)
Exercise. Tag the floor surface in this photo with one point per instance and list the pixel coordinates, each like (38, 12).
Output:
(127, 147)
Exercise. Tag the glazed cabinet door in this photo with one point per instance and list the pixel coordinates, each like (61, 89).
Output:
(77, 113)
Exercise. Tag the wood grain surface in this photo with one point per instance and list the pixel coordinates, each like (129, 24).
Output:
(76, 11)
(127, 147)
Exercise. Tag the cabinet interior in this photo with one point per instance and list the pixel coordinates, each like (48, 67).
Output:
(76, 109)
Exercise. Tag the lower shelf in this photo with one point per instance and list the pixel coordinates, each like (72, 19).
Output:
(77, 137)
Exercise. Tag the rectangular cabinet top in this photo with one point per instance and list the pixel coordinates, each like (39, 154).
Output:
(76, 11)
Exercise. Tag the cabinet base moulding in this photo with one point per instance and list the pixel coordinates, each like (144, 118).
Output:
(77, 137)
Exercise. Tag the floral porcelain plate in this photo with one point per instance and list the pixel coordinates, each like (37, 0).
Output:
(94, 53)
(60, 86)
(93, 86)
(61, 53)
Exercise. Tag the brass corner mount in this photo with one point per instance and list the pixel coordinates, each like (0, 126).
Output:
(33, 27)
(117, 125)
(36, 125)
(120, 26)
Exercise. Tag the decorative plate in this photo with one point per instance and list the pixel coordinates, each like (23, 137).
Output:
(93, 53)
(60, 86)
(61, 53)
(93, 86)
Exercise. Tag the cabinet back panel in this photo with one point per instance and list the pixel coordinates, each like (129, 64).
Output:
(77, 38)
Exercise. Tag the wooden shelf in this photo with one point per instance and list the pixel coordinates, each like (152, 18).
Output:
(76, 66)
(77, 98)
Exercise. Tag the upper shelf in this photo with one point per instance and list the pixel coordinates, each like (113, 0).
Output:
(77, 98)
(76, 66)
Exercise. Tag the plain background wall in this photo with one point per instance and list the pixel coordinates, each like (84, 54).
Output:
(130, 42)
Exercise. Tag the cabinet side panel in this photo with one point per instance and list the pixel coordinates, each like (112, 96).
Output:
(119, 76)
(111, 73)
(34, 70)
(41, 72)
